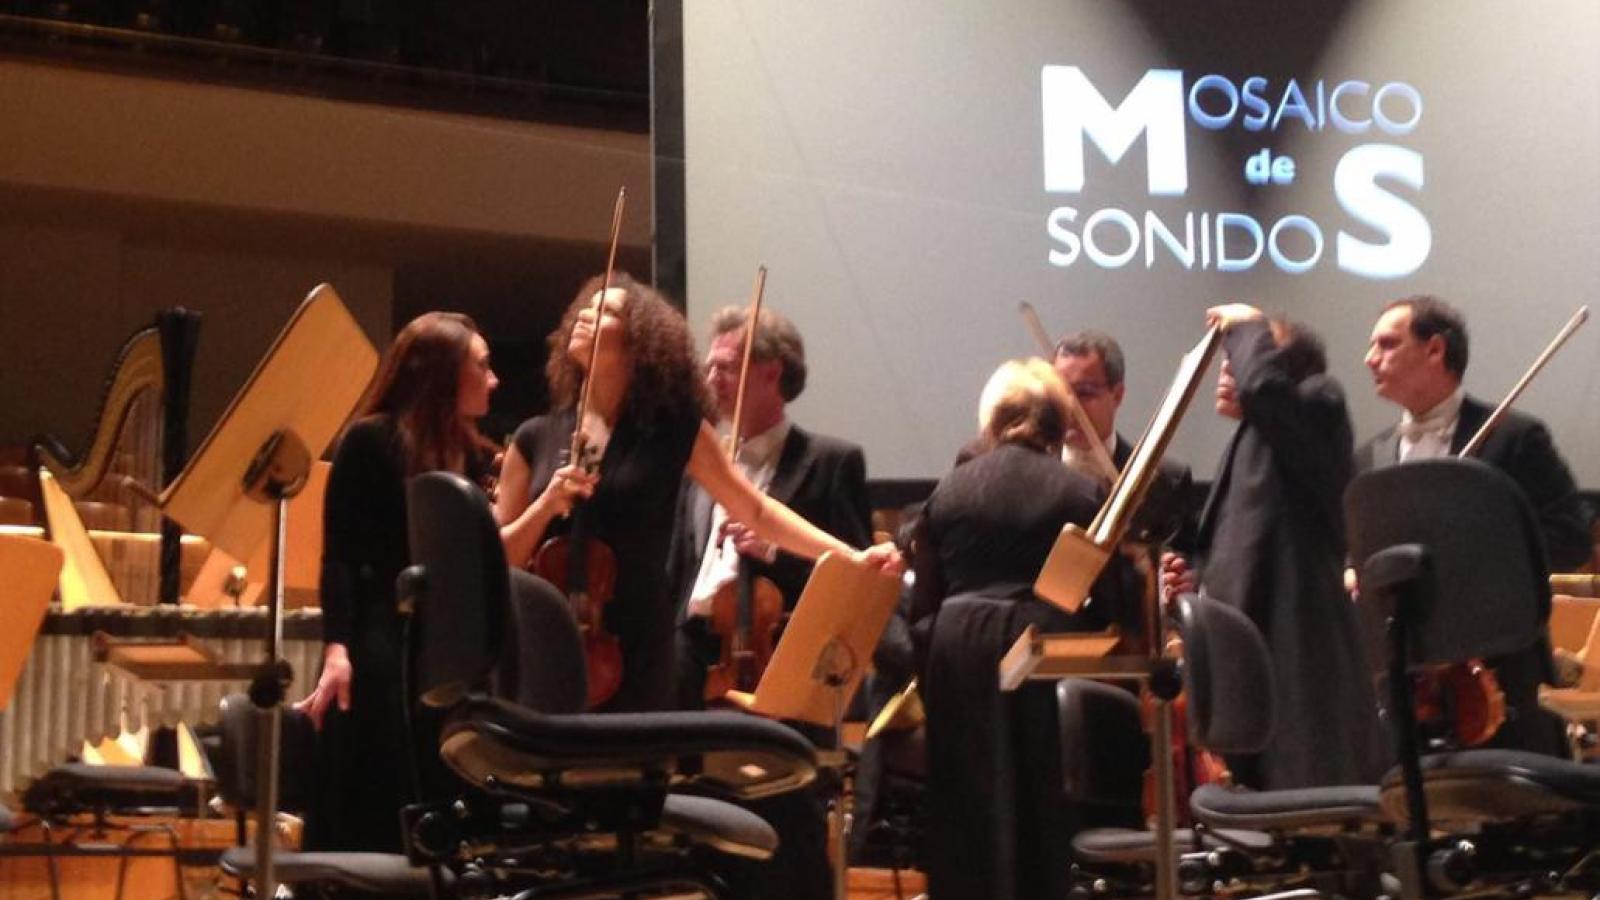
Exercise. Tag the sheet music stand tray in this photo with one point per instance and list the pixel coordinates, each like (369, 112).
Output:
(31, 567)
(237, 486)
(819, 662)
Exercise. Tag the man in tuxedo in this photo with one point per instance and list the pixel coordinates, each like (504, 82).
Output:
(1092, 365)
(822, 479)
(819, 477)
(1418, 356)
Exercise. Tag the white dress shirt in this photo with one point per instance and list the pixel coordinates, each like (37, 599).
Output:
(1082, 460)
(719, 564)
(1428, 436)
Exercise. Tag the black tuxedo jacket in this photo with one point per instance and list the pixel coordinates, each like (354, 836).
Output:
(1171, 508)
(1521, 447)
(821, 478)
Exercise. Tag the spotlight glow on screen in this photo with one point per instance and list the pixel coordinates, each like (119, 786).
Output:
(909, 173)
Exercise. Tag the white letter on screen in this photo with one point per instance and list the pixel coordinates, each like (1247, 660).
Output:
(1074, 109)
(1355, 183)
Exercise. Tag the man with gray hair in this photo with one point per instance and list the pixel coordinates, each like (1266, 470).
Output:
(819, 477)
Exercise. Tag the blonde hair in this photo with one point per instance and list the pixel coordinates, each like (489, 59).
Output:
(1024, 402)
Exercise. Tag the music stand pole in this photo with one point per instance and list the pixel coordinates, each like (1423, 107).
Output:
(276, 475)
(836, 666)
(818, 664)
(1164, 686)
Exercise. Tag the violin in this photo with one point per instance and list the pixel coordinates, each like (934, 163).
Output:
(746, 612)
(581, 566)
(1464, 700)
(1191, 766)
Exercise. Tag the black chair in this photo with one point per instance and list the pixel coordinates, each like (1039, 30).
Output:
(1451, 559)
(1242, 841)
(81, 809)
(374, 874)
(556, 801)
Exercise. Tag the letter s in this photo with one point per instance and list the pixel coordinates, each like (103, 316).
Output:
(1355, 184)
(1056, 224)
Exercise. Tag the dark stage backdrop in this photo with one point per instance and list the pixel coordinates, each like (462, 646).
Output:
(910, 172)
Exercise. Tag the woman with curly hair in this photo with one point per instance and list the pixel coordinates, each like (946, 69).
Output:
(646, 427)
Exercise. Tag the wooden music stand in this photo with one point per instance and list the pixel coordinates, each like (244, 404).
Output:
(1077, 559)
(819, 662)
(237, 487)
(31, 567)
(826, 648)
(1078, 556)
(224, 581)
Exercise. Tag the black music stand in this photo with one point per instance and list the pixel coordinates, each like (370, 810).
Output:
(819, 662)
(236, 489)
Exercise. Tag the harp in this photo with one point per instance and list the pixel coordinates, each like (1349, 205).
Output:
(136, 446)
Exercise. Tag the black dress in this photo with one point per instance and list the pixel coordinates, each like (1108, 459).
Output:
(364, 775)
(632, 511)
(997, 824)
(1272, 544)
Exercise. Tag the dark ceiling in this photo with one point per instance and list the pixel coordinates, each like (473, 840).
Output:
(583, 63)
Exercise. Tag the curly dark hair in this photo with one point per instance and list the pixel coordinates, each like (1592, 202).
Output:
(666, 369)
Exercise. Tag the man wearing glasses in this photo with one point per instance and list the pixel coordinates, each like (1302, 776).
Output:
(1091, 364)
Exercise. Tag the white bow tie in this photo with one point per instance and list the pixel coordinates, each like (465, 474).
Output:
(1417, 429)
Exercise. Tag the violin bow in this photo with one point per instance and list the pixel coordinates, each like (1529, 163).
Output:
(1097, 448)
(599, 314)
(1578, 318)
(737, 436)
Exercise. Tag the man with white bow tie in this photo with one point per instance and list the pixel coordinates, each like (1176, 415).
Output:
(1417, 356)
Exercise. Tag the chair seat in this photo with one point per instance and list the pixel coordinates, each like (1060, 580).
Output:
(1224, 807)
(380, 874)
(720, 826)
(1128, 845)
(1496, 785)
(745, 756)
(77, 787)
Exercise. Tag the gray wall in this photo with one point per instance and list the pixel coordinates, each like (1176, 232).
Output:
(886, 162)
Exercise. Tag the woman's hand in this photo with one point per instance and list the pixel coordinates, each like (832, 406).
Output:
(568, 486)
(1176, 576)
(884, 557)
(746, 542)
(332, 686)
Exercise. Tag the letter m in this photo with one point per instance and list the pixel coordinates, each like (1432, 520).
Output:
(1073, 109)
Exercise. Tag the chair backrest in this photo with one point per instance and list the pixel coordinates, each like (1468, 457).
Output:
(1492, 586)
(1104, 750)
(458, 587)
(544, 667)
(236, 773)
(1227, 676)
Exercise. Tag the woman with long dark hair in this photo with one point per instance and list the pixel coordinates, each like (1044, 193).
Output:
(647, 424)
(420, 415)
